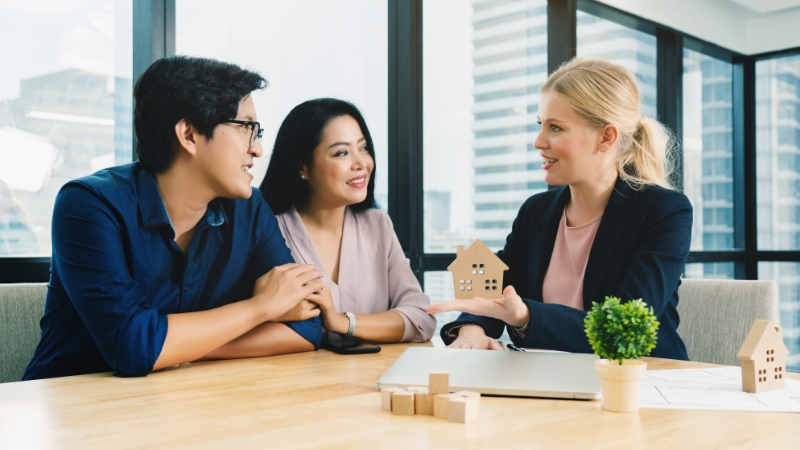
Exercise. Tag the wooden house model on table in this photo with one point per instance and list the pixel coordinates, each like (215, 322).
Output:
(763, 358)
(477, 272)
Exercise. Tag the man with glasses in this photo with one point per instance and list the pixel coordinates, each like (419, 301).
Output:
(174, 258)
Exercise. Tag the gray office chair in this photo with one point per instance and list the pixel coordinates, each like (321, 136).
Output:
(716, 315)
(21, 307)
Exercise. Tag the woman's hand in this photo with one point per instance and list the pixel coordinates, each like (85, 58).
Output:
(509, 308)
(283, 288)
(332, 320)
(304, 310)
(473, 336)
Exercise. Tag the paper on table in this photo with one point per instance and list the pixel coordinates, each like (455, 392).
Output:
(719, 388)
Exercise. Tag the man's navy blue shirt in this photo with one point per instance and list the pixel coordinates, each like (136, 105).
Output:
(116, 272)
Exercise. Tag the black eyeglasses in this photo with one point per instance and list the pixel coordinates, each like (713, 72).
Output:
(256, 132)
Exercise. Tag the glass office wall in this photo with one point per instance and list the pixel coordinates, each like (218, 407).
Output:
(719, 271)
(636, 50)
(787, 275)
(778, 153)
(65, 107)
(708, 153)
(305, 49)
(484, 63)
(778, 185)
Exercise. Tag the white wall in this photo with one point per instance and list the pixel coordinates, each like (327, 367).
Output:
(722, 22)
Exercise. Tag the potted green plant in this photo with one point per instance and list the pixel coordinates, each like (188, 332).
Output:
(620, 333)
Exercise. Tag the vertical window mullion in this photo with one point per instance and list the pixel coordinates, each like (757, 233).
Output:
(669, 92)
(153, 37)
(405, 127)
(744, 107)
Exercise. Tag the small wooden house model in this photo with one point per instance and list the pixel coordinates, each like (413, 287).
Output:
(477, 272)
(763, 358)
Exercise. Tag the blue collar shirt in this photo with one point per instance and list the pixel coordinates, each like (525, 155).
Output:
(116, 272)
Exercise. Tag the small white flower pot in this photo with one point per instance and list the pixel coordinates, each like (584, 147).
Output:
(620, 384)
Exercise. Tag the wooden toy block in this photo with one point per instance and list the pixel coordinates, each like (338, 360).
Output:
(763, 358)
(441, 404)
(386, 397)
(423, 402)
(463, 409)
(438, 383)
(477, 272)
(468, 394)
(403, 403)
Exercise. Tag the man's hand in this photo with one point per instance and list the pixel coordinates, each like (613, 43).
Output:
(509, 308)
(283, 287)
(473, 336)
(302, 311)
(332, 320)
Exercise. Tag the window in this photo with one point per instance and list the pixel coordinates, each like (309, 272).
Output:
(720, 271)
(707, 143)
(340, 50)
(65, 107)
(787, 274)
(600, 38)
(778, 152)
(484, 64)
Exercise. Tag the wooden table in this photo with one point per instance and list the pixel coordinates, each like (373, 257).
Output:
(324, 400)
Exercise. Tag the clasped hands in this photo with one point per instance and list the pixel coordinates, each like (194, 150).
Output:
(298, 293)
(509, 308)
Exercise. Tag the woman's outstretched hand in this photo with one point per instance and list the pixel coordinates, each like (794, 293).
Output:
(509, 308)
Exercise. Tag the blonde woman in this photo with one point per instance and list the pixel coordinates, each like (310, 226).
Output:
(614, 227)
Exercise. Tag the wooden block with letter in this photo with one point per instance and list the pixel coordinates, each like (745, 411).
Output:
(386, 397)
(438, 383)
(403, 403)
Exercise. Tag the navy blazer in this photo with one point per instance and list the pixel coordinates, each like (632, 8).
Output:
(639, 251)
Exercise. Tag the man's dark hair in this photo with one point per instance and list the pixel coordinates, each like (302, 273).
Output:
(299, 134)
(205, 92)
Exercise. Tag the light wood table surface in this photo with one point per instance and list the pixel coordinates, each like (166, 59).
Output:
(324, 400)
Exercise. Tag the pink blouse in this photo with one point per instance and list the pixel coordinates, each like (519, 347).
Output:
(563, 282)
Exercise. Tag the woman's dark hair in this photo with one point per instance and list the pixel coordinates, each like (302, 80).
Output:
(299, 134)
(205, 92)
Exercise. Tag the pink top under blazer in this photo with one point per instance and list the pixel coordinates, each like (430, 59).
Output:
(374, 274)
(563, 282)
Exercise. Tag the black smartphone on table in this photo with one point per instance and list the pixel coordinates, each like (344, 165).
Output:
(351, 347)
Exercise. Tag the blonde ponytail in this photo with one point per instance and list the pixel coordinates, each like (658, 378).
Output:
(602, 93)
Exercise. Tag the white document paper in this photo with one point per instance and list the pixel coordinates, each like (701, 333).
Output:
(718, 388)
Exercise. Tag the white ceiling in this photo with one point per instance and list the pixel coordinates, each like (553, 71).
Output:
(768, 6)
(745, 26)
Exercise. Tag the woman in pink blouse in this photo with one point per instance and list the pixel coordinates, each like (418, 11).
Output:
(320, 184)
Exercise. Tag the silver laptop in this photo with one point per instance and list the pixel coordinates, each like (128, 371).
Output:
(492, 372)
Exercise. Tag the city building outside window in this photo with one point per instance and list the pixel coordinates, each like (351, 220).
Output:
(483, 66)
(65, 107)
(634, 49)
(778, 186)
(707, 145)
